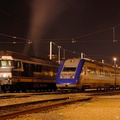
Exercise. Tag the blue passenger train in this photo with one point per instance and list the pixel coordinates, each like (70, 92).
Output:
(81, 74)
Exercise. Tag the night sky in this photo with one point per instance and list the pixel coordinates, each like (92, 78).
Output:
(89, 22)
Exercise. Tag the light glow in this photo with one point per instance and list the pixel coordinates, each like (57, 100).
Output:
(115, 59)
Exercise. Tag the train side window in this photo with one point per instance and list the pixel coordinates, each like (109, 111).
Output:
(17, 64)
(38, 68)
(83, 71)
(91, 70)
(112, 73)
(106, 73)
(101, 71)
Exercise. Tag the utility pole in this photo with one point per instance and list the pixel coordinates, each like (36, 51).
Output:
(114, 40)
(59, 54)
(115, 60)
(82, 55)
(50, 50)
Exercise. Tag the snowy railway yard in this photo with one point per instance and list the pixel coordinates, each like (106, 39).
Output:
(90, 105)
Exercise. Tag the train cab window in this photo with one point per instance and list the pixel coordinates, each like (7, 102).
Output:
(83, 72)
(17, 64)
(69, 69)
(91, 70)
(6, 63)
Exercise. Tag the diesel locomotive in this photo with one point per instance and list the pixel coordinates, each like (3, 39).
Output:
(80, 74)
(20, 72)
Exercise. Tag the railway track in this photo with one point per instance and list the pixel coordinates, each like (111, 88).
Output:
(51, 103)
(25, 96)
(29, 95)
(13, 96)
(91, 92)
(30, 103)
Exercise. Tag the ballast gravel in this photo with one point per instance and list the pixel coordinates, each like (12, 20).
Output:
(99, 108)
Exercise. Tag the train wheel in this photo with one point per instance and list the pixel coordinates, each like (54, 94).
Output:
(73, 91)
(6, 88)
(83, 89)
(79, 90)
(100, 88)
(18, 90)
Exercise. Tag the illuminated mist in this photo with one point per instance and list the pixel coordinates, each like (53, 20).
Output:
(43, 13)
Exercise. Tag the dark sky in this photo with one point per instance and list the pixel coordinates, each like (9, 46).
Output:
(89, 22)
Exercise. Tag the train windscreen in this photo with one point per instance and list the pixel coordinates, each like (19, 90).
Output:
(6, 63)
(69, 69)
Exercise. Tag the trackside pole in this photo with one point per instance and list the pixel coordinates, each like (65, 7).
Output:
(82, 55)
(59, 54)
(50, 50)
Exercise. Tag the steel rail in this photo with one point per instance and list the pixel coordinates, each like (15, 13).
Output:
(28, 111)
(29, 103)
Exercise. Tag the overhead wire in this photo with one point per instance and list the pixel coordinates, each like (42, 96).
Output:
(53, 39)
(56, 39)
(30, 42)
(66, 49)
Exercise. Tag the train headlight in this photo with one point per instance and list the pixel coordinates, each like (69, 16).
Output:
(4, 76)
(61, 77)
(72, 76)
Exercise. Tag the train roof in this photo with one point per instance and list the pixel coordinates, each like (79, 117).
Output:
(25, 57)
(100, 63)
